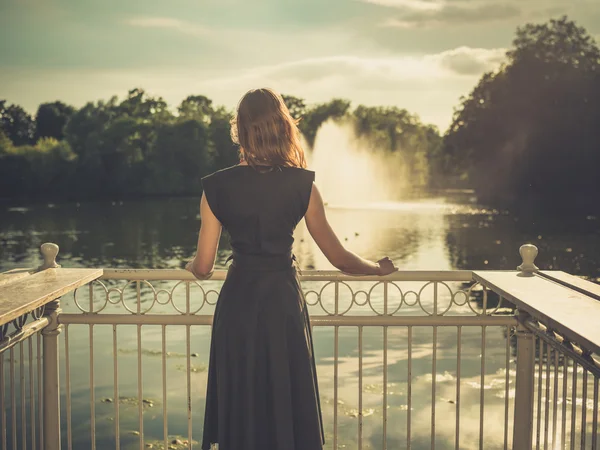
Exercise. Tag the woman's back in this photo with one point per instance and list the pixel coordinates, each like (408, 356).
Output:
(259, 209)
(262, 390)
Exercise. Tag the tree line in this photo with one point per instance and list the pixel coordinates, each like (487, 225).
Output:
(138, 146)
(526, 136)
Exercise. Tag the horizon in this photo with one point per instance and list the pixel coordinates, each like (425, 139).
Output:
(420, 55)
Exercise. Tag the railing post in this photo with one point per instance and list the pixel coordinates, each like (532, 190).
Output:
(528, 253)
(51, 393)
(524, 389)
(49, 252)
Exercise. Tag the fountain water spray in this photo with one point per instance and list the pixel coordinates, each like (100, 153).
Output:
(351, 171)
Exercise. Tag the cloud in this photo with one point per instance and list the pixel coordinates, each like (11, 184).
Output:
(423, 5)
(453, 14)
(429, 85)
(167, 23)
(436, 13)
(461, 61)
(429, 13)
(471, 61)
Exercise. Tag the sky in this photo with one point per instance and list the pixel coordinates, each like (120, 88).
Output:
(422, 55)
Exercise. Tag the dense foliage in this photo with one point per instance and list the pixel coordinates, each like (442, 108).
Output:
(528, 135)
(140, 147)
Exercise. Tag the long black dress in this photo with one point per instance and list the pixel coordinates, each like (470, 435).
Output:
(262, 389)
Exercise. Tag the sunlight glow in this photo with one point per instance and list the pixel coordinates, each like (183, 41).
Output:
(410, 4)
(167, 23)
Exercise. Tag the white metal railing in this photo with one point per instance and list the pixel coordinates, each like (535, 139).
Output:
(404, 300)
(566, 399)
(426, 322)
(29, 310)
(26, 396)
(558, 355)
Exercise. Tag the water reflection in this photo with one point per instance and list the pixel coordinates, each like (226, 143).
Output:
(145, 233)
(411, 233)
(491, 241)
(434, 234)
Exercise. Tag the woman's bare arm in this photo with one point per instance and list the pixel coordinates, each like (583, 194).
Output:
(203, 263)
(332, 248)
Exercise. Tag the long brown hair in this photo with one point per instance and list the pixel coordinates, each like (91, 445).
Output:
(266, 132)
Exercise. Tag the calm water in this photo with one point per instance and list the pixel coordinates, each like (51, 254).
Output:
(433, 234)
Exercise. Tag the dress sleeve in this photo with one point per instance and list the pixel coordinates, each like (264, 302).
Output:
(210, 189)
(308, 177)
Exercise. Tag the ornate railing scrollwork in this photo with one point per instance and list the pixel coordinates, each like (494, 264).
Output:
(331, 298)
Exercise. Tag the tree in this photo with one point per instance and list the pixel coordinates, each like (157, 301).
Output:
(137, 146)
(37, 170)
(52, 163)
(51, 119)
(314, 117)
(6, 145)
(396, 131)
(84, 129)
(182, 155)
(527, 135)
(139, 104)
(226, 153)
(296, 106)
(560, 43)
(384, 125)
(16, 124)
(149, 112)
(121, 143)
(197, 107)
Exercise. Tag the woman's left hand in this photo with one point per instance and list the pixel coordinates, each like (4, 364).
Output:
(190, 268)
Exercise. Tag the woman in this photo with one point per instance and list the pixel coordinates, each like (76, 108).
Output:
(262, 389)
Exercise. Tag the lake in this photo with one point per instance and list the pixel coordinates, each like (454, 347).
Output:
(442, 233)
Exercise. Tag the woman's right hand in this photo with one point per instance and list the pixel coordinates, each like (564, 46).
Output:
(386, 266)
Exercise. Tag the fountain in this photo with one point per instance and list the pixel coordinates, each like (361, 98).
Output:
(366, 195)
(350, 171)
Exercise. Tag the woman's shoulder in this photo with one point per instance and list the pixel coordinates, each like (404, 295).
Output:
(307, 175)
(220, 173)
(302, 171)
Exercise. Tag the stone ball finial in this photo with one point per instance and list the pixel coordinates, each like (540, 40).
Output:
(528, 253)
(49, 252)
